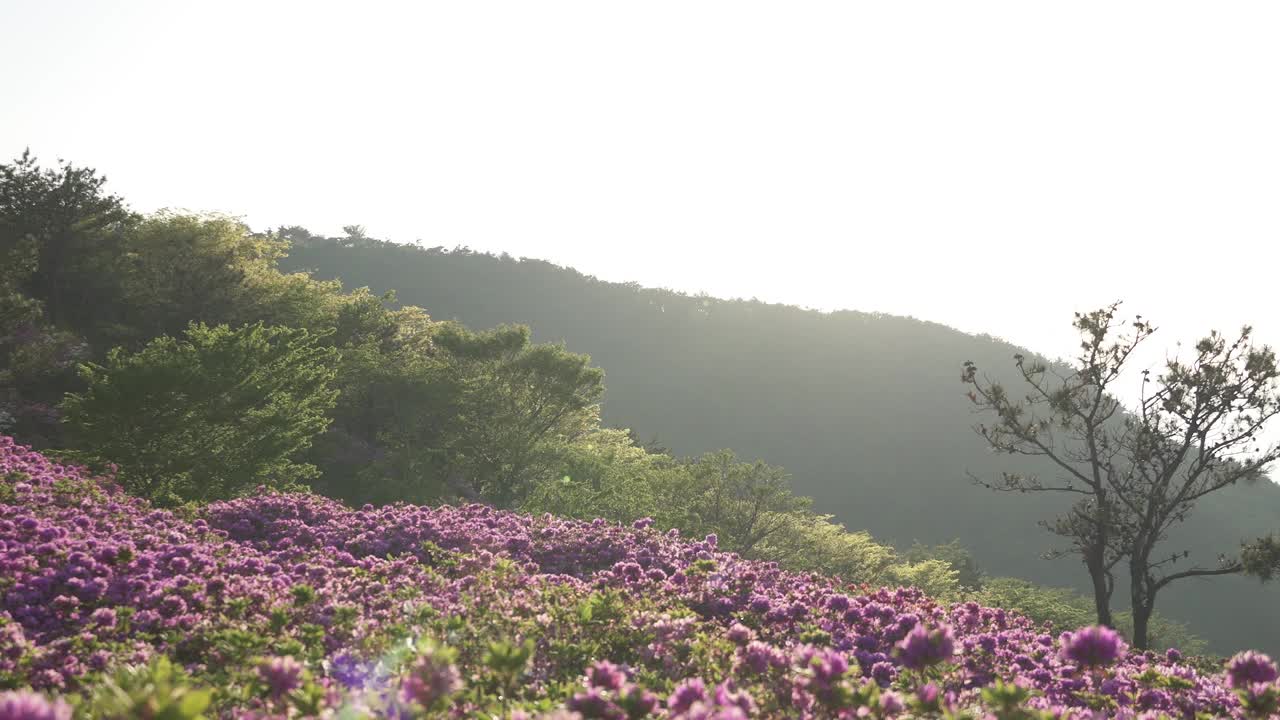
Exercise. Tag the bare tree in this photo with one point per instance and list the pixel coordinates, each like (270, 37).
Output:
(1196, 431)
(1137, 474)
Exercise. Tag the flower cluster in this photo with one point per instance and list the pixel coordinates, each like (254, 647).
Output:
(293, 605)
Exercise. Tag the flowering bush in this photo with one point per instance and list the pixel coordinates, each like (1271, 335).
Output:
(292, 605)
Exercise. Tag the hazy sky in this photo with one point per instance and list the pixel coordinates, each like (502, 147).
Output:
(992, 166)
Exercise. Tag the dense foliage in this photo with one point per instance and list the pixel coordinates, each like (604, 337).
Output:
(209, 416)
(292, 605)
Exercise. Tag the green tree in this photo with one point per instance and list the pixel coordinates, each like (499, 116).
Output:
(1138, 475)
(393, 425)
(173, 269)
(208, 416)
(935, 577)
(37, 361)
(72, 219)
(955, 555)
(744, 503)
(815, 543)
(607, 475)
(515, 404)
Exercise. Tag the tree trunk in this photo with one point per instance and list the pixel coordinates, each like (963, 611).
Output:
(1102, 601)
(1143, 601)
(1141, 620)
(1101, 592)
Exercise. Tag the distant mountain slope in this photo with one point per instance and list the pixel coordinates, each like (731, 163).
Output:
(865, 410)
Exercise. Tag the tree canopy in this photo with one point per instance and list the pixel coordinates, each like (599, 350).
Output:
(207, 416)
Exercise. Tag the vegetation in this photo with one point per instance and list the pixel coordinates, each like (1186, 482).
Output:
(207, 417)
(194, 368)
(862, 409)
(292, 605)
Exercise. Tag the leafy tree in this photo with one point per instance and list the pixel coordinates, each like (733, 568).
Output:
(68, 213)
(956, 556)
(516, 402)
(815, 543)
(937, 578)
(607, 475)
(209, 416)
(1138, 475)
(173, 269)
(37, 361)
(745, 503)
(393, 425)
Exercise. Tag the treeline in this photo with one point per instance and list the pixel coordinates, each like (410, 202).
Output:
(174, 348)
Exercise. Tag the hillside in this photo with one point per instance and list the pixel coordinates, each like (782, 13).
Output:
(866, 411)
(292, 605)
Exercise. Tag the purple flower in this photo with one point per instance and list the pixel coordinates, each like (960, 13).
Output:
(104, 617)
(884, 673)
(173, 605)
(758, 656)
(594, 704)
(728, 696)
(686, 694)
(606, 676)
(430, 680)
(891, 702)
(923, 647)
(1248, 668)
(928, 695)
(1092, 646)
(282, 675)
(24, 705)
(637, 702)
(740, 634)
(70, 570)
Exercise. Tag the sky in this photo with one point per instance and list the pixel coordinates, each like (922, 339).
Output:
(994, 166)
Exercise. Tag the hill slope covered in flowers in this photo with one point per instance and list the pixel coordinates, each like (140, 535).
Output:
(290, 605)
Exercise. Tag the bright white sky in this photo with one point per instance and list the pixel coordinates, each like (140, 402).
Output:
(989, 165)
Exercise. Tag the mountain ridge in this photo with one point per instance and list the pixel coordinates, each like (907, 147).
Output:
(865, 410)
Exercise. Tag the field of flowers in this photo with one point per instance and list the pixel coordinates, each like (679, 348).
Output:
(282, 606)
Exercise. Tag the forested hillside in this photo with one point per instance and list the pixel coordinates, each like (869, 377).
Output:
(176, 354)
(866, 411)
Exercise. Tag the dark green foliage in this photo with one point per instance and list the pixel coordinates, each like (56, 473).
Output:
(744, 503)
(432, 410)
(172, 269)
(71, 217)
(208, 416)
(513, 398)
(37, 362)
(160, 691)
